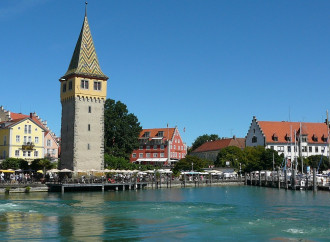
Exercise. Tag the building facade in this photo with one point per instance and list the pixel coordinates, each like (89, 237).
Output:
(159, 147)
(293, 139)
(210, 150)
(21, 138)
(83, 93)
(12, 118)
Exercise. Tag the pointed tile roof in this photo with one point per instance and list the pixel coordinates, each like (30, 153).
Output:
(84, 60)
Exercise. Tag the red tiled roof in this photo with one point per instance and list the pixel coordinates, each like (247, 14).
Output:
(21, 116)
(284, 128)
(153, 133)
(220, 144)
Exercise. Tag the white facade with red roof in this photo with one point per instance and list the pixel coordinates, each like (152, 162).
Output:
(293, 139)
(162, 146)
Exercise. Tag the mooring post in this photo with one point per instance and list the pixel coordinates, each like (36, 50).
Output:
(293, 180)
(285, 179)
(102, 187)
(306, 184)
(278, 179)
(210, 179)
(259, 178)
(245, 177)
(250, 178)
(171, 180)
(314, 180)
(62, 188)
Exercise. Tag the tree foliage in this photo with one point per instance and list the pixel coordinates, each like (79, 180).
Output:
(15, 164)
(113, 162)
(121, 129)
(185, 164)
(314, 161)
(41, 164)
(203, 139)
(251, 158)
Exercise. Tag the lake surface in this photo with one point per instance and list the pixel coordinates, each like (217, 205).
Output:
(235, 213)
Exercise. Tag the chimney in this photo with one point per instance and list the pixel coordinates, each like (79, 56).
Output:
(31, 115)
(234, 137)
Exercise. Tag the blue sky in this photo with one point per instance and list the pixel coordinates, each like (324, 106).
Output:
(206, 65)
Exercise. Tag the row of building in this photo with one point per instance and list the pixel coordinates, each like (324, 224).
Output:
(293, 139)
(26, 137)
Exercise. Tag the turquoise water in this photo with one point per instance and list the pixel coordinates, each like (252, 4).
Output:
(239, 213)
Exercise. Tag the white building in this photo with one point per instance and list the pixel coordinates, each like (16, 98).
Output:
(293, 139)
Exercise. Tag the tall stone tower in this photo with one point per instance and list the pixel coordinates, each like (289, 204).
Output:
(83, 93)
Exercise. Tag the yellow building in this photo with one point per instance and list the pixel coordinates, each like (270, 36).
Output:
(21, 138)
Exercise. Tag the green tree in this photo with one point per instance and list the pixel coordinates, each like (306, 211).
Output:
(232, 154)
(41, 164)
(190, 162)
(203, 139)
(15, 164)
(121, 129)
(314, 161)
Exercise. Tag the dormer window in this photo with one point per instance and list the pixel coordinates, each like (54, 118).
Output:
(287, 137)
(160, 134)
(146, 134)
(324, 138)
(84, 84)
(275, 137)
(315, 138)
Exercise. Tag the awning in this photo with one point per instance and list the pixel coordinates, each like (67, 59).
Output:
(153, 160)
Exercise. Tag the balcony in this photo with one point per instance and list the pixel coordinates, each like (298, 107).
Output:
(28, 146)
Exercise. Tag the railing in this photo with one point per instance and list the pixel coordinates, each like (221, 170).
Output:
(27, 146)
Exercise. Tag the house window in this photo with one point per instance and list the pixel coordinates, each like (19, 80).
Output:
(179, 155)
(16, 152)
(64, 87)
(140, 155)
(272, 147)
(25, 140)
(161, 147)
(304, 149)
(310, 149)
(24, 153)
(54, 152)
(35, 153)
(141, 147)
(174, 146)
(4, 140)
(84, 84)
(89, 127)
(316, 149)
(134, 155)
(254, 139)
(148, 155)
(160, 133)
(155, 147)
(89, 109)
(18, 138)
(70, 85)
(289, 148)
(97, 85)
(29, 153)
(148, 147)
(146, 134)
(280, 148)
(155, 155)
(161, 155)
(36, 140)
(304, 139)
(29, 139)
(49, 142)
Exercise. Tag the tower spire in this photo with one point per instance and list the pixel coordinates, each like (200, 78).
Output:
(84, 60)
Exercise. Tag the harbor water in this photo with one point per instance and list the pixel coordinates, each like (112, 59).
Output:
(233, 213)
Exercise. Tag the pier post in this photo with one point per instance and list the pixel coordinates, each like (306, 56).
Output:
(245, 176)
(293, 180)
(259, 178)
(171, 180)
(251, 179)
(211, 179)
(62, 188)
(184, 181)
(314, 180)
(102, 187)
(285, 179)
(166, 180)
(306, 183)
(278, 179)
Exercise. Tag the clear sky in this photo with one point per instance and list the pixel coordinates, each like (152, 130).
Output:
(206, 65)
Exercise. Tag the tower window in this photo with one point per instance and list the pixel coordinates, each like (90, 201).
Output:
(89, 109)
(64, 87)
(88, 146)
(89, 127)
(84, 84)
(70, 85)
(97, 85)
